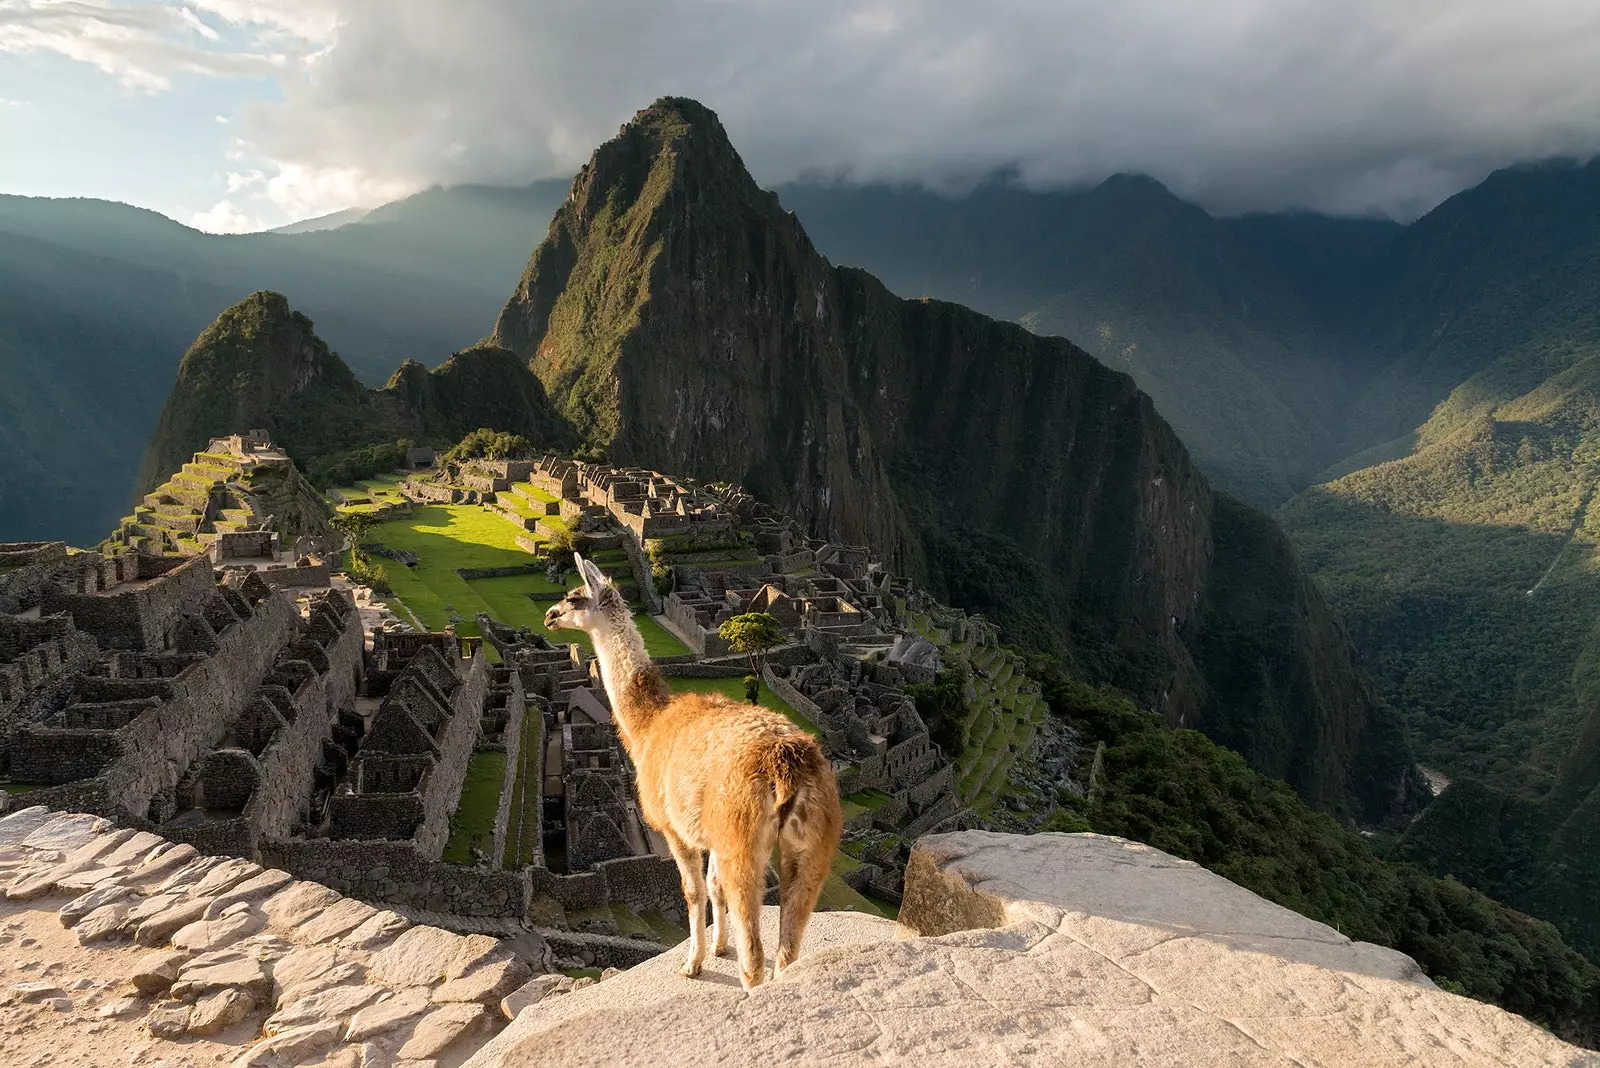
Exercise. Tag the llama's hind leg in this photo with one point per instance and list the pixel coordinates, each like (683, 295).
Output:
(690, 866)
(719, 909)
(802, 868)
(741, 872)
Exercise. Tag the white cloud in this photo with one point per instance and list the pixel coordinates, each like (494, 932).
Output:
(1352, 106)
(12, 102)
(225, 218)
(143, 46)
(301, 192)
(1347, 106)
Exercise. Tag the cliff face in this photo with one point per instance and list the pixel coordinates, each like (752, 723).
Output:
(261, 365)
(680, 319)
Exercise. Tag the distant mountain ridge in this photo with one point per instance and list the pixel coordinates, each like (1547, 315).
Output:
(98, 302)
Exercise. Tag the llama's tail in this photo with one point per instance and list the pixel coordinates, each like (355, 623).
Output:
(803, 782)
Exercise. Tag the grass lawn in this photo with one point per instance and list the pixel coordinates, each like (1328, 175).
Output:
(474, 815)
(733, 689)
(450, 536)
(530, 490)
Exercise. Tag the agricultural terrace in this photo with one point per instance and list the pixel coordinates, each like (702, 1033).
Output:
(1000, 724)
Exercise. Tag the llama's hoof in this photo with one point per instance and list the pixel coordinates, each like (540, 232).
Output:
(720, 951)
(690, 969)
(753, 979)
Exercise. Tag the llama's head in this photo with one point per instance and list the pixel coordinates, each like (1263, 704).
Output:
(589, 607)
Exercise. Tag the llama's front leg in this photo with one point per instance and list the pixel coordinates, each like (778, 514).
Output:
(690, 864)
(719, 909)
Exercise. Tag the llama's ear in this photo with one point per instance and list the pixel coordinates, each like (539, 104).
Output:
(593, 578)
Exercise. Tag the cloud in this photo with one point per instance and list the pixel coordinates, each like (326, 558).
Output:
(1352, 106)
(143, 46)
(225, 218)
(12, 102)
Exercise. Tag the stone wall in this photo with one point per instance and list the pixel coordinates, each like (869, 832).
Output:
(149, 754)
(394, 873)
(245, 545)
(139, 613)
(511, 741)
(300, 576)
(460, 738)
(287, 763)
(637, 883)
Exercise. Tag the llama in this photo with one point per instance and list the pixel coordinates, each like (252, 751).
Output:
(719, 777)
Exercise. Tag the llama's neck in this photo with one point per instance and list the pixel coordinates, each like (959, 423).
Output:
(631, 678)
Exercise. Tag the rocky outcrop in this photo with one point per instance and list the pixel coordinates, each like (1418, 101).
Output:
(261, 365)
(1049, 949)
(130, 943)
(682, 320)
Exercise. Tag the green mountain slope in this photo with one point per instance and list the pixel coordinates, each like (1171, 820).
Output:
(1467, 569)
(261, 366)
(680, 318)
(101, 299)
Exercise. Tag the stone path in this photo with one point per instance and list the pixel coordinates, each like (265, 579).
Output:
(118, 947)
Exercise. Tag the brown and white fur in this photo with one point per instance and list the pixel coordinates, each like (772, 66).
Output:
(715, 776)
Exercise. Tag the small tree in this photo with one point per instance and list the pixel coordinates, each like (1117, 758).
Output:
(354, 526)
(752, 689)
(754, 634)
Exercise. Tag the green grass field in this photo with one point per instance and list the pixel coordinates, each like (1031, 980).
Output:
(474, 815)
(733, 689)
(447, 537)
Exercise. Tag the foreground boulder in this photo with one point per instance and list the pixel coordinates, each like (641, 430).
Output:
(1046, 949)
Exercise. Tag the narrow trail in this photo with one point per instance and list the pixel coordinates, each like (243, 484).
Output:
(1572, 533)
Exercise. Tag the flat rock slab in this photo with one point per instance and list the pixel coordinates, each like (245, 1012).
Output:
(160, 863)
(258, 887)
(388, 1015)
(135, 850)
(203, 936)
(291, 1047)
(107, 921)
(154, 972)
(335, 920)
(220, 1011)
(378, 931)
(442, 1028)
(81, 906)
(224, 877)
(421, 956)
(16, 826)
(335, 1003)
(169, 921)
(295, 905)
(196, 980)
(66, 832)
(168, 1021)
(530, 993)
(487, 983)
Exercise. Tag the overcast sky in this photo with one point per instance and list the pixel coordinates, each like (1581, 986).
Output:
(240, 114)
